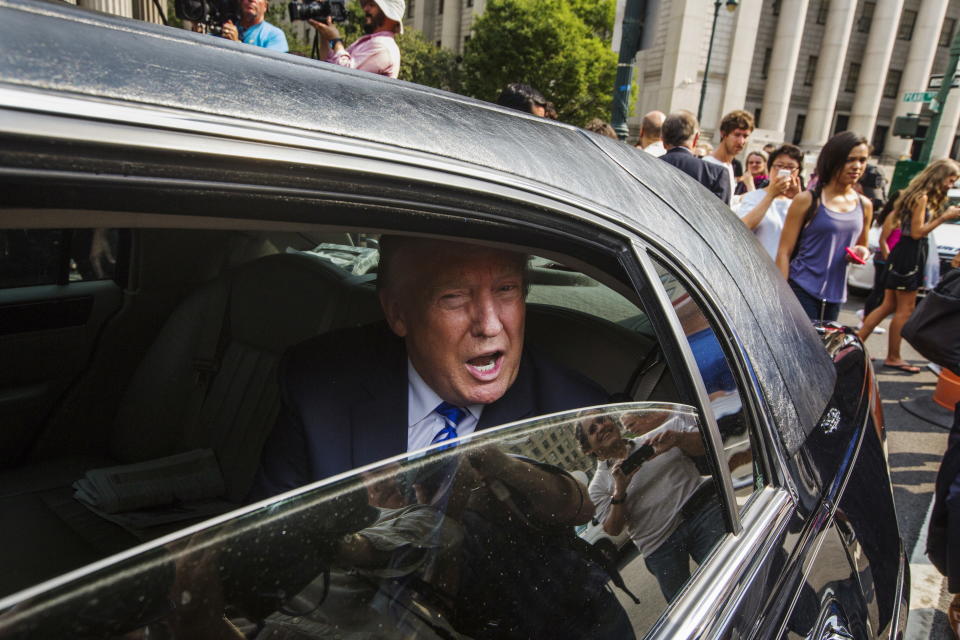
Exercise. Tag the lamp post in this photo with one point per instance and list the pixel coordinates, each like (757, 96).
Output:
(731, 7)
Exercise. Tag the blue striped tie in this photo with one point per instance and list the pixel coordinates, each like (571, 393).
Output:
(451, 416)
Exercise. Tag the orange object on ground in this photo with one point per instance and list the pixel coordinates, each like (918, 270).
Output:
(947, 393)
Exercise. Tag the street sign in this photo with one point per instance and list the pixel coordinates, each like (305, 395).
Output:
(936, 81)
(919, 96)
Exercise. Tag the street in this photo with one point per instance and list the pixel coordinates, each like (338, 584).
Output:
(915, 449)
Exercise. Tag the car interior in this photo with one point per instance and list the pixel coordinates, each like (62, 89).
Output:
(130, 345)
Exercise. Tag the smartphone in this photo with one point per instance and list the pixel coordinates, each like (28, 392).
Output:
(854, 257)
(637, 458)
(783, 173)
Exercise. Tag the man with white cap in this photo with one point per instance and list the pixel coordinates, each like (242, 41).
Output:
(377, 51)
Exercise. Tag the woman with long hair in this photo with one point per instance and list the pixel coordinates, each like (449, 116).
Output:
(823, 224)
(755, 174)
(765, 210)
(917, 212)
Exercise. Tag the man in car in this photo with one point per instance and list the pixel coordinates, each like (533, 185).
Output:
(681, 132)
(253, 29)
(449, 360)
(376, 51)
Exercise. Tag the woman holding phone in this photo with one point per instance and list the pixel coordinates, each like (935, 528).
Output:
(755, 176)
(827, 227)
(916, 213)
(764, 210)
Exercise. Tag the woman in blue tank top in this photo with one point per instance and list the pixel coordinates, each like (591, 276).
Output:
(821, 225)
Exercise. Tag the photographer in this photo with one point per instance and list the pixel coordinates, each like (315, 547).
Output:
(377, 51)
(670, 511)
(252, 28)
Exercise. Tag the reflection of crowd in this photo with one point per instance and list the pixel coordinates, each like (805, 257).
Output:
(669, 509)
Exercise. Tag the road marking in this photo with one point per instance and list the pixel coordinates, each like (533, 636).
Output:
(926, 585)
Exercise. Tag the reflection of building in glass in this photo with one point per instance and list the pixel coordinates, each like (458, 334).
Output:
(556, 446)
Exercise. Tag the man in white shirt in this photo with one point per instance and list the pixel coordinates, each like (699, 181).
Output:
(651, 139)
(735, 130)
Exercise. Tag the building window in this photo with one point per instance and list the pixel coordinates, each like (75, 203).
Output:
(776, 7)
(798, 128)
(842, 123)
(892, 86)
(946, 34)
(439, 7)
(767, 53)
(811, 71)
(756, 114)
(879, 141)
(469, 3)
(907, 21)
(853, 76)
(823, 11)
(866, 17)
(410, 8)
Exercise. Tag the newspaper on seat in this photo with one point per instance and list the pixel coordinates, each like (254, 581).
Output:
(185, 486)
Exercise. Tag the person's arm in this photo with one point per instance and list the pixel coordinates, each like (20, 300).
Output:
(755, 215)
(328, 32)
(861, 248)
(791, 231)
(885, 232)
(554, 498)
(689, 442)
(921, 229)
(616, 518)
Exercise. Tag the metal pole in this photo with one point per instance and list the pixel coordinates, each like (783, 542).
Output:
(706, 69)
(629, 45)
(936, 105)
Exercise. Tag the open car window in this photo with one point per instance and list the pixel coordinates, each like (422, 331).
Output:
(475, 537)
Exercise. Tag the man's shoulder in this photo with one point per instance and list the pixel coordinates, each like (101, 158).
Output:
(344, 353)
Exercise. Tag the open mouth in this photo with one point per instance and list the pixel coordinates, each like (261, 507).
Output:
(486, 366)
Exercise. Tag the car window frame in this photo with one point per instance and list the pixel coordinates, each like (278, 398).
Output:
(755, 403)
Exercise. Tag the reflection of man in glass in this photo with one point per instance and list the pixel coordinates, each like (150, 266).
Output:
(670, 511)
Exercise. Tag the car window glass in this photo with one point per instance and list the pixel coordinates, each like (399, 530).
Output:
(56, 256)
(476, 537)
(723, 390)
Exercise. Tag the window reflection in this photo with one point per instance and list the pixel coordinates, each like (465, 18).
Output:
(475, 540)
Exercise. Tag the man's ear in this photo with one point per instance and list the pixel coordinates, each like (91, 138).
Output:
(393, 312)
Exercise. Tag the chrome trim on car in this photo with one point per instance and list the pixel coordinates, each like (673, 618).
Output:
(727, 575)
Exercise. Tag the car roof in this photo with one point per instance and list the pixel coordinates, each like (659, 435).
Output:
(60, 49)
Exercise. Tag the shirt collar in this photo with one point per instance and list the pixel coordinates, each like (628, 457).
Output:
(422, 400)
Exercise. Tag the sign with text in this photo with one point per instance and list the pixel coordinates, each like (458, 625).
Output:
(919, 96)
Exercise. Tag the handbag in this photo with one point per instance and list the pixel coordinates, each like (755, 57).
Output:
(934, 328)
(904, 265)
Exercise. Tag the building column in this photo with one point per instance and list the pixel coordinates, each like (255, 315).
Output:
(683, 55)
(916, 73)
(826, 82)
(741, 56)
(146, 10)
(873, 67)
(420, 16)
(450, 28)
(783, 65)
(949, 120)
(115, 7)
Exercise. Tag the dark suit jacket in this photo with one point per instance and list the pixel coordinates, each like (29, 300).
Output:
(712, 176)
(943, 536)
(344, 405)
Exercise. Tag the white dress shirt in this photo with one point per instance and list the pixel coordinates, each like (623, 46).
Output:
(423, 422)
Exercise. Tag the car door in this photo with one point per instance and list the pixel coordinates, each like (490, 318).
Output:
(58, 287)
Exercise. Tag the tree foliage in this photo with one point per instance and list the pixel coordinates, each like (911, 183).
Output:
(548, 45)
(423, 62)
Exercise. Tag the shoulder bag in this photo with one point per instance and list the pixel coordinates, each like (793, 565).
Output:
(934, 327)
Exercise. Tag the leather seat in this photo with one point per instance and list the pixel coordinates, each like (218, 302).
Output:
(207, 381)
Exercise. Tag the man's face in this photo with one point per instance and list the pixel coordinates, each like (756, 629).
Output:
(461, 310)
(373, 17)
(736, 140)
(601, 431)
(252, 11)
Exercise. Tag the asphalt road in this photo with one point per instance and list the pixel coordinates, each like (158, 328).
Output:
(915, 448)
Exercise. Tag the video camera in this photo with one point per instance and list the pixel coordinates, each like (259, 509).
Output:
(318, 10)
(212, 13)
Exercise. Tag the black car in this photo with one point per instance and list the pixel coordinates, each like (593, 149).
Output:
(178, 211)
